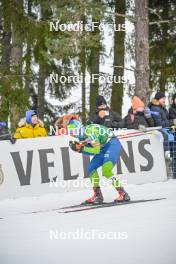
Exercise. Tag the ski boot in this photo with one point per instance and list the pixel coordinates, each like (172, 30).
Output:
(97, 197)
(123, 195)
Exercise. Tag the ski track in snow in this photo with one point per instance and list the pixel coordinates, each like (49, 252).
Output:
(150, 228)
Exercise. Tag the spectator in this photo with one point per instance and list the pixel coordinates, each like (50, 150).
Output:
(60, 124)
(172, 115)
(30, 126)
(158, 105)
(138, 116)
(103, 115)
(172, 109)
(5, 134)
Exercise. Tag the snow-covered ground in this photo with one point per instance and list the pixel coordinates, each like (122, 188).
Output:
(145, 232)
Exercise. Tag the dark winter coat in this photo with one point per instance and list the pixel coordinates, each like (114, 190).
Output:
(172, 109)
(132, 121)
(112, 120)
(172, 112)
(4, 133)
(163, 118)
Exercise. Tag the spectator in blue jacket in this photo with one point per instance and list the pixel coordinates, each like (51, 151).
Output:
(158, 105)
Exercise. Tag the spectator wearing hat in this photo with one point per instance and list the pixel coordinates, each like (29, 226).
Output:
(30, 126)
(103, 115)
(158, 105)
(138, 116)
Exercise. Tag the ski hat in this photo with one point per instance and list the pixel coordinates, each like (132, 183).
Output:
(100, 100)
(29, 115)
(159, 95)
(137, 102)
(75, 128)
(3, 128)
(3, 124)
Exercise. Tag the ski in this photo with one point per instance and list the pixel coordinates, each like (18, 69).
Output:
(84, 207)
(56, 209)
(87, 207)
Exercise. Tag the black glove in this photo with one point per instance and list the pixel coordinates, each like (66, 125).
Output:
(76, 146)
(12, 140)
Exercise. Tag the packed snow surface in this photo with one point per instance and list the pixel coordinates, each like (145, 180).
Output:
(134, 233)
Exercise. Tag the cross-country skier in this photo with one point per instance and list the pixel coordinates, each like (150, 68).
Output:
(95, 140)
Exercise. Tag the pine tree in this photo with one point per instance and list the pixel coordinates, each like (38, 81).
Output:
(142, 50)
(119, 54)
(162, 44)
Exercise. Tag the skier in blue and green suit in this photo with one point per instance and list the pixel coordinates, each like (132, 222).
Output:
(95, 140)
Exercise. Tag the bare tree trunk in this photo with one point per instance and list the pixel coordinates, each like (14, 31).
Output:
(42, 75)
(165, 36)
(83, 86)
(94, 71)
(16, 63)
(41, 92)
(5, 42)
(119, 45)
(28, 60)
(5, 54)
(82, 60)
(142, 50)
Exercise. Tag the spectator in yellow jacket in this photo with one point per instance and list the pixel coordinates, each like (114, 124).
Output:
(30, 127)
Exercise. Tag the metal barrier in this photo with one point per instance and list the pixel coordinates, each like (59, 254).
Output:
(170, 156)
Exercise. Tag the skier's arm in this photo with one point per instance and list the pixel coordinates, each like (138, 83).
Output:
(92, 148)
(88, 146)
(91, 145)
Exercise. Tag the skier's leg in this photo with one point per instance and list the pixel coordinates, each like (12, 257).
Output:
(95, 163)
(107, 172)
(111, 157)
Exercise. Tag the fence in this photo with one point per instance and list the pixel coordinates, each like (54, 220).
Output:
(170, 156)
(30, 166)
